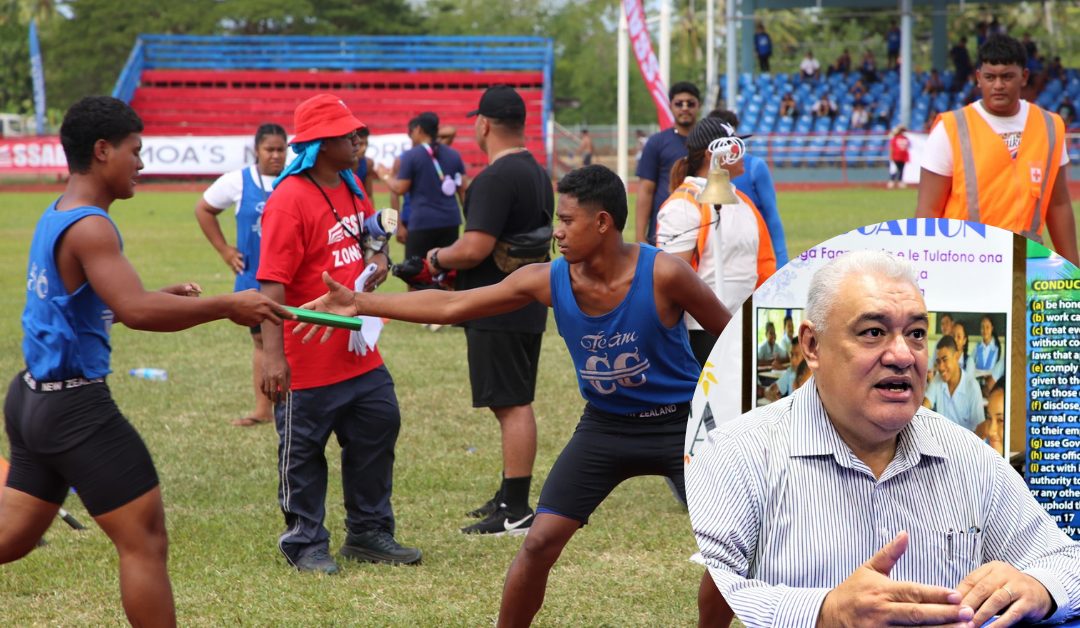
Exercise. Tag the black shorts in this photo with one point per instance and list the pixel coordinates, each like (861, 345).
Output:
(75, 438)
(419, 242)
(607, 449)
(502, 367)
(256, 329)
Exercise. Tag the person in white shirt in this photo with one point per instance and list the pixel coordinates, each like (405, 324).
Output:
(686, 228)
(246, 190)
(809, 66)
(849, 504)
(954, 393)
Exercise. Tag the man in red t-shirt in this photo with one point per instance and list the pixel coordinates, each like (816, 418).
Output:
(314, 222)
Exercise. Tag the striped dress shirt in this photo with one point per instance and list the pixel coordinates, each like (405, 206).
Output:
(784, 512)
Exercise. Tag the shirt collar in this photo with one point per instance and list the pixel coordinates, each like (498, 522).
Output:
(813, 434)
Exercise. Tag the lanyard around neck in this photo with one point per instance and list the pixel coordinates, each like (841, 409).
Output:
(359, 221)
(431, 154)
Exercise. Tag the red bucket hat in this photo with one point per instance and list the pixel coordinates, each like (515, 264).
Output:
(323, 116)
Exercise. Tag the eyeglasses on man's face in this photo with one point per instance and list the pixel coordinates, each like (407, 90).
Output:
(685, 104)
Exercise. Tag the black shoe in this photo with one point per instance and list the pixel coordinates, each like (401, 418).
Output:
(319, 560)
(488, 508)
(502, 523)
(378, 546)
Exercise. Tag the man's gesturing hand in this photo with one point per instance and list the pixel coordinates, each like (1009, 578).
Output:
(869, 599)
(996, 587)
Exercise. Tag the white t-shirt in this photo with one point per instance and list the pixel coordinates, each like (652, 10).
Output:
(229, 188)
(809, 65)
(677, 226)
(937, 156)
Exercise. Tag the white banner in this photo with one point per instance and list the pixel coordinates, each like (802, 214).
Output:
(964, 268)
(176, 155)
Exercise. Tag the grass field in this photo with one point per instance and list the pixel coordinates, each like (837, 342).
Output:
(628, 568)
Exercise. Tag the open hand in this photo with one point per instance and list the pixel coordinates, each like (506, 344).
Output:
(870, 599)
(998, 588)
(338, 300)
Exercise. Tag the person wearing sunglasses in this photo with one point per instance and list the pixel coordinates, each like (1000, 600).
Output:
(659, 155)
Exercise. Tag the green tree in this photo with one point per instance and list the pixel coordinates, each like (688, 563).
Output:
(16, 88)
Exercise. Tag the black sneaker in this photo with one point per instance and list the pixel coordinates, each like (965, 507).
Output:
(488, 508)
(502, 522)
(378, 546)
(319, 560)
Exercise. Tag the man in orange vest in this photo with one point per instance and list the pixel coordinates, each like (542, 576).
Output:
(997, 160)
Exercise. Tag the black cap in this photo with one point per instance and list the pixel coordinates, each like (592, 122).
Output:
(706, 131)
(502, 102)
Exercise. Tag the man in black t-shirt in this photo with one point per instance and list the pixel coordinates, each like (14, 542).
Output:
(512, 196)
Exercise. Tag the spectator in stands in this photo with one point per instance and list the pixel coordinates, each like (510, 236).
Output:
(869, 68)
(757, 184)
(996, 28)
(247, 190)
(982, 31)
(898, 153)
(432, 174)
(892, 44)
(1055, 70)
(961, 59)
(787, 105)
(973, 91)
(366, 170)
(860, 117)
(1029, 46)
(931, 118)
(763, 46)
(843, 64)
(1067, 111)
(858, 90)
(809, 68)
(586, 147)
(659, 155)
(934, 85)
(1036, 77)
(825, 106)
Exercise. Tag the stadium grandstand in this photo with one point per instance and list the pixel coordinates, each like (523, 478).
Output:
(228, 85)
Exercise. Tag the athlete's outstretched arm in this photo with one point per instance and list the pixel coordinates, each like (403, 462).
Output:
(934, 190)
(523, 286)
(90, 252)
(1060, 221)
(681, 286)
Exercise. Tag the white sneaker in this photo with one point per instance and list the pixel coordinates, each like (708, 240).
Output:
(432, 327)
(890, 184)
(902, 185)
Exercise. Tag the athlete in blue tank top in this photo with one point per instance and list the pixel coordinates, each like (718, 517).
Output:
(63, 426)
(247, 190)
(620, 308)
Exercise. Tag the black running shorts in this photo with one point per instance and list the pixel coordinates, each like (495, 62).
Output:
(75, 438)
(502, 367)
(607, 449)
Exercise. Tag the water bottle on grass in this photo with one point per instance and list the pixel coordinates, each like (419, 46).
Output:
(150, 373)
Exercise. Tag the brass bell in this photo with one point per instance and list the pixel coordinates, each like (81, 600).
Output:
(718, 189)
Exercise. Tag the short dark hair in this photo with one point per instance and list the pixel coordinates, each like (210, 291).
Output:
(684, 87)
(947, 342)
(727, 116)
(269, 129)
(363, 132)
(789, 318)
(1003, 50)
(597, 186)
(91, 119)
(804, 366)
(769, 325)
(513, 126)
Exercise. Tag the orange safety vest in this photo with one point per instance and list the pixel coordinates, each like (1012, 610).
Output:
(991, 187)
(766, 262)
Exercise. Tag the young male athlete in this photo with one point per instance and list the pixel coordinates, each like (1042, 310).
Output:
(620, 307)
(64, 427)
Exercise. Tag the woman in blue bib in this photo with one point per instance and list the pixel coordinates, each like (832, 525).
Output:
(246, 190)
